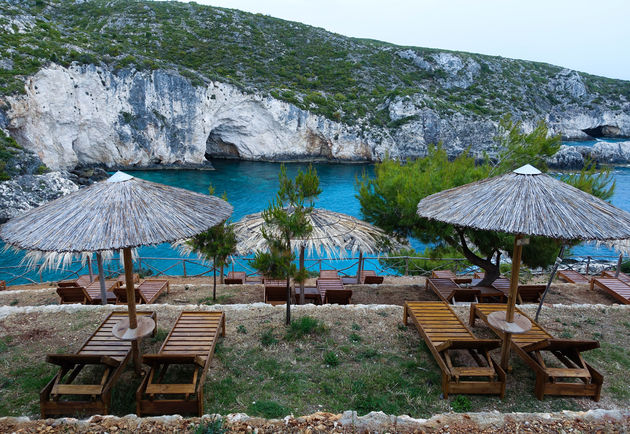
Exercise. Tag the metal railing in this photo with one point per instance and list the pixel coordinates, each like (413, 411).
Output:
(194, 267)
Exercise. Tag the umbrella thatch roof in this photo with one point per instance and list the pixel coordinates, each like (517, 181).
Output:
(120, 212)
(333, 233)
(528, 202)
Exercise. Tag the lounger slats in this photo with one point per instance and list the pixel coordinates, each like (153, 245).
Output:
(614, 287)
(450, 292)
(443, 332)
(192, 340)
(549, 380)
(572, 276)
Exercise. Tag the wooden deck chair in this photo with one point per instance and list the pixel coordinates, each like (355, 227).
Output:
(275, 292)
(66, 394)
(190, 344)
(444, 333)
(147, 292)
(328, 274)
(3, 285)
(369, 277)
(622, 276)
(572, 276)
(449, 274)
(574, 378)
(614, 287)
(235, 278)
(525, 294)
(332, 291)
(83, 280)
(451, 292)
(123, 280)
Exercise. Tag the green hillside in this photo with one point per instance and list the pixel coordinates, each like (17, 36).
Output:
(343, 78)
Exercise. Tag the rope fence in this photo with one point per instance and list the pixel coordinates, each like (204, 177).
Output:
(193, 267)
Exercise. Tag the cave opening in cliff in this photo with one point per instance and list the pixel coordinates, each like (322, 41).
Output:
(603, 131)
(218, 147)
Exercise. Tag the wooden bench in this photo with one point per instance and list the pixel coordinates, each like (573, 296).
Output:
(451, 292)
(189, 346)
(572, 276)
(614, 287)
(147, 292)
(69, 394)
(235, 278)
(574, 378)
(445, 334)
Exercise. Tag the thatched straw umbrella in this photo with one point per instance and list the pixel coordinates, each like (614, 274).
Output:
(333, 233)
(122, 212)
(526, 202)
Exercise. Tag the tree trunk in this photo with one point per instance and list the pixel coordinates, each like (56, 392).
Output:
(288, 318)
(214, 281)
(492, 271)
(302, 269)
(222, 270)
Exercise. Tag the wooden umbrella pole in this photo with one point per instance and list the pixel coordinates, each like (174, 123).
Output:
(101, 277)
(360, 266)
(131, 305)
(89, 267)
(516, 266)
(618, 266)
(301, 270)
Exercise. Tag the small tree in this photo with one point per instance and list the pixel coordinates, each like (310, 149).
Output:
(217, 243)
(286, 218)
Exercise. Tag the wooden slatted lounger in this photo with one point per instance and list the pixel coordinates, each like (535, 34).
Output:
(275, 292)
(622, 276)
(190, 343)
(614, 287)
(332, 291)
(448, 274)
(550, 380)
(572, 276)
(101, 349)
(450, 291)
(444, 332)
(71, 292)
(147, 292)
(369, 277)
(235, 278)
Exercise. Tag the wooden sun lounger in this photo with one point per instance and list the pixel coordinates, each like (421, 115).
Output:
(614, 287)
(328, 274)
(275, 292)
(3, 285)
(572, 276)
(190, 343)
(369, 277)
(525, 294)
(63, 396)
(147, 292)
(550, 380)
(70, 292)
(332, 291)
(622, 276)
(449, 274)
(451, 292)
(444, 333)
(235, 278)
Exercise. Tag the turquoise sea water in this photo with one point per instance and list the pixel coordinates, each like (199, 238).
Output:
(250, 185)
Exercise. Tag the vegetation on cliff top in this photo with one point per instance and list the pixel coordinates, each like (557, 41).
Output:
(346, 79)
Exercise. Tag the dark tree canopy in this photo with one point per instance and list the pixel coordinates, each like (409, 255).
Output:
(391, 197)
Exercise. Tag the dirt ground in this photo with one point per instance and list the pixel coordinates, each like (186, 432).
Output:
(394, 290)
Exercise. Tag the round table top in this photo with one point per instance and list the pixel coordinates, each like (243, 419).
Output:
(122, 331)
(520, 324)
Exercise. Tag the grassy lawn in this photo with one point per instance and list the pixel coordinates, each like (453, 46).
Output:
(330, 359)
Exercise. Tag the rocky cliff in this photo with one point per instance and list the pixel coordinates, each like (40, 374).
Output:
(89, 115)
(143, 83)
